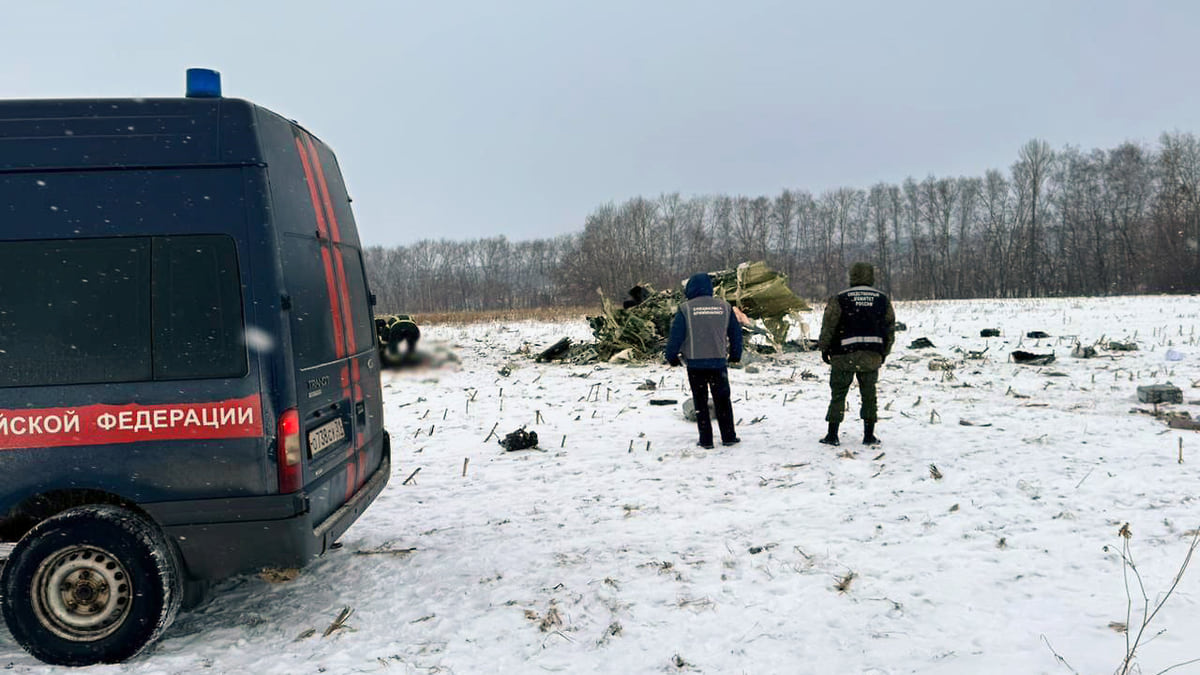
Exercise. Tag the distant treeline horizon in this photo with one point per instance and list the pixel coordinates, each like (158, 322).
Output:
(1067, 222)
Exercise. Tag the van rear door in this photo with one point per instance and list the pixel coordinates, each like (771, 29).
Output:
(339, 405)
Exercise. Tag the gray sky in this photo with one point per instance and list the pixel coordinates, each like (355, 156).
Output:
(474, 119)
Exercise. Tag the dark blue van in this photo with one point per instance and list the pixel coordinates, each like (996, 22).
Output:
(189, 379)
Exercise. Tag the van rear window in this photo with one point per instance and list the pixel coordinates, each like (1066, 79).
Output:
(356, 282)
(122, 309)
(312, 268)
(304, 272)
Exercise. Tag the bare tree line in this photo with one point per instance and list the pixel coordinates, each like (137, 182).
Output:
(1067, 222)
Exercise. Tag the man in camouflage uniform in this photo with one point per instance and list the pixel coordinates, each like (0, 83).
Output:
(857, 332)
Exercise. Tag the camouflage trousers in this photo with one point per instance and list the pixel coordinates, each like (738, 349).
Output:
(839, 385)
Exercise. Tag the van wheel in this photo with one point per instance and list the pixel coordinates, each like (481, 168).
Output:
(93, 584)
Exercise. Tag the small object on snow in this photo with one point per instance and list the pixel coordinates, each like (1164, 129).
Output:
(941, 364)
(900, 326)
(1159, 393)
(1081, 352)
(921, 343)
(934, 473)
(969, 423)
(338, 623)
(648, 385)
(623, 356)
(1173, 355)
(752, 369)
(1031, 359)
(843, 584)
(1182, 420)
(278, 575)
(689, 410)
(386, 550)
(663, 401)
(1037, 334)
(519, 440)
(989, 332)
(505, 370)
(556, 351)
(1115, 346)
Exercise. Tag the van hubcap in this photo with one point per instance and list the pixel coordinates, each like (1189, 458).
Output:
(81, 593)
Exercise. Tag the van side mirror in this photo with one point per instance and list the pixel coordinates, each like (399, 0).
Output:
(371, 299)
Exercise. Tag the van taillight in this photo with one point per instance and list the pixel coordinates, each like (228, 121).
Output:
(288, 452)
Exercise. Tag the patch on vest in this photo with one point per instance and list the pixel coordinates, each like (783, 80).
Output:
(862, 298)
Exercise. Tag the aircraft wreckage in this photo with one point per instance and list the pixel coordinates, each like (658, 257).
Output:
(638, 330)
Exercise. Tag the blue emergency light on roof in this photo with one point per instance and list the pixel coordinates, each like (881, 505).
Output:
(203, 83)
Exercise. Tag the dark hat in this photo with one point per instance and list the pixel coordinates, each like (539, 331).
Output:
(862, 274)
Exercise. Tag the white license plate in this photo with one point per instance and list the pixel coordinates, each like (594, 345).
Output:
(326, 435)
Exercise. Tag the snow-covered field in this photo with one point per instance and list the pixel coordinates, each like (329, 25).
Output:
(621, 547)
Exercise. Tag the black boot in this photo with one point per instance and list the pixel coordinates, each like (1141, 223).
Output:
(831, 438)
(869, 434)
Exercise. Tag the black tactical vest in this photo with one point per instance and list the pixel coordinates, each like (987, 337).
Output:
(863, 310)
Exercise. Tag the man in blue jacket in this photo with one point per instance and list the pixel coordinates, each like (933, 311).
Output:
(706, 331)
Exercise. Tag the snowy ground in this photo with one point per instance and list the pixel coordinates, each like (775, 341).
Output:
(621, 547)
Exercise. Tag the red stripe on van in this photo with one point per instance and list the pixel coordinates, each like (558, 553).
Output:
(339, 338)
(339, 331)
(347, 318)
(316, 160)
(356, 473)
(336, 237)
(103, 424)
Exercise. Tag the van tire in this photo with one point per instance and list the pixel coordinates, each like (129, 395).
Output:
(107, 555)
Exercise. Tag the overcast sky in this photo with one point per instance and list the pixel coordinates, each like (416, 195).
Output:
(461, 120)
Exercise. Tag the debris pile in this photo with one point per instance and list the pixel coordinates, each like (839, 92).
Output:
(638, 330)
(761, 293)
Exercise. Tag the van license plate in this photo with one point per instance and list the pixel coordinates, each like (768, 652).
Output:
(326, 435)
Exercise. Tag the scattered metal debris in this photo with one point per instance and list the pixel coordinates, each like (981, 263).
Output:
(1031, 359)
(1159, 393)
(519, 440)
